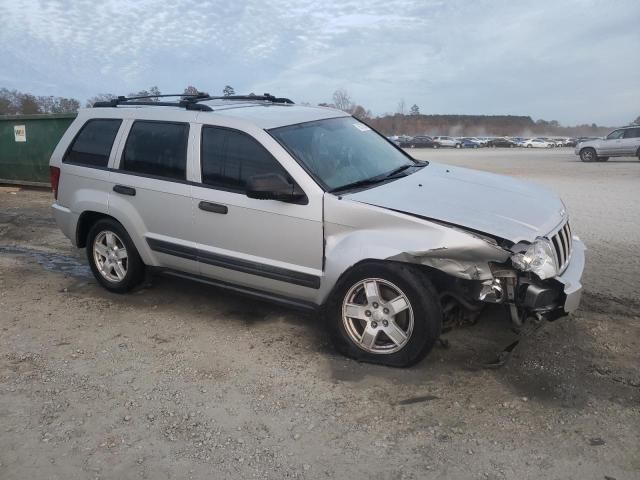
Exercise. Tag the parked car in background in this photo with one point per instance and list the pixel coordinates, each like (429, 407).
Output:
(448, 142)
(570, 142)
(480, 141)
(537, 143)
(501, 143)
(469, 143)
(623, 142)
(419, 141)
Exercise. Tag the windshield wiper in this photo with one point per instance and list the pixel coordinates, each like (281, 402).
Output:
(378, 178)
(398, 170)
(361, 183)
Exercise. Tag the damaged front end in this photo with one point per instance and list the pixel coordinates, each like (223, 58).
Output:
(535, 281)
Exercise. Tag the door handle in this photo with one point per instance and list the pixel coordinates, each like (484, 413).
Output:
(213, 207)
(124, 190)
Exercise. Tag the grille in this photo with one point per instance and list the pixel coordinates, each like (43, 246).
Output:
(562, 246)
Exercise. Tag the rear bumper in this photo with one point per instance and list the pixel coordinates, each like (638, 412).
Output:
(66, 220)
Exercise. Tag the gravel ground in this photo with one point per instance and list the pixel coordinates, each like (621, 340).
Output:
(178, 380)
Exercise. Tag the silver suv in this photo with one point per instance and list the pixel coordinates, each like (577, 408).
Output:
(311, 208)
(624, 142)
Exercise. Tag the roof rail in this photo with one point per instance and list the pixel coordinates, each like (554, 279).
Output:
(188, 101)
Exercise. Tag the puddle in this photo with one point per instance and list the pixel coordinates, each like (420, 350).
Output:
(54, 262)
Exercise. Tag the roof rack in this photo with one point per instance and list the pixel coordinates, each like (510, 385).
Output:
(188, 101)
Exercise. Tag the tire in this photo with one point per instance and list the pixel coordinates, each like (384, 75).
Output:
(128, 271)
(412, 146)
(529, 146)
(458, 145)
(416, 328)
(435, 145)
(588, 155)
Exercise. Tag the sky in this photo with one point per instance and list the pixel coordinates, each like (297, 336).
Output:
(575, 61)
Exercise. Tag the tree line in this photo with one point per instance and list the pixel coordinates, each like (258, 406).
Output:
(402, 122)
(14, 102)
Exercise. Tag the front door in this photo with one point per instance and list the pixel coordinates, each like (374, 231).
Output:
(266, 245)
(612, 145)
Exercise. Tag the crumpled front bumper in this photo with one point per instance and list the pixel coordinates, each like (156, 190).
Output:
(572, 276)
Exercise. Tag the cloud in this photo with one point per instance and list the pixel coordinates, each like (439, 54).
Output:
(573, 61)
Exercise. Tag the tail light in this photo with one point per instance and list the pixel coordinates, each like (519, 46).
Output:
(54, 176)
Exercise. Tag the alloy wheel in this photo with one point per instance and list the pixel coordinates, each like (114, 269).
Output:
(110, 255)
(377, 316)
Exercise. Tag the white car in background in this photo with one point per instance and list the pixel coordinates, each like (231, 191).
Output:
(537, 143)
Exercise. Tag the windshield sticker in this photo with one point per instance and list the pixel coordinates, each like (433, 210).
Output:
(361, 127)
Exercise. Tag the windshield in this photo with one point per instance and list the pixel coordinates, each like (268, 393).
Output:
(341, 151)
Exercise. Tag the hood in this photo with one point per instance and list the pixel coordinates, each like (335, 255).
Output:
(493, 204)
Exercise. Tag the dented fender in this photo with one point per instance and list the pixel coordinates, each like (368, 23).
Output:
(355, 232)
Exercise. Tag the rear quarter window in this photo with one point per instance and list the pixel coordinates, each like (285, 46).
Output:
(93, 143)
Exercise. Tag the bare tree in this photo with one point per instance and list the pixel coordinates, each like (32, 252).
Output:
(342, 100)
(101, 97)
(228, 90)
(191, 90)
(145, 93)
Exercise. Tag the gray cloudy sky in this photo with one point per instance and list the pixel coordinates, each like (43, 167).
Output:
(573, 61)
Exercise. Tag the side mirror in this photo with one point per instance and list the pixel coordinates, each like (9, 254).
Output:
(274, 186)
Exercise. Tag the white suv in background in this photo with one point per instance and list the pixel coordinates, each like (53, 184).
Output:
(311, 208)
(623, 142)
(448, 142)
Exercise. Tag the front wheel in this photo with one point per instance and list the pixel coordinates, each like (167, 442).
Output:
(588, 155)
(113, 258)
(384, 313)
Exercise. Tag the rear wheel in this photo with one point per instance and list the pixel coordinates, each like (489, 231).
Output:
(588, 155)
(113, 257)
(384, 313)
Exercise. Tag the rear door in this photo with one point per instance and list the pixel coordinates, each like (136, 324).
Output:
(151, 195)
(266, 245)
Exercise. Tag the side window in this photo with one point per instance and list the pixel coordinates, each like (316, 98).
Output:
(230, 157)
(615, 135)
(157, 148)
(632, 133)
(93, 143)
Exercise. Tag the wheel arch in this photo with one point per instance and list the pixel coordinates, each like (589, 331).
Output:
(89, 217)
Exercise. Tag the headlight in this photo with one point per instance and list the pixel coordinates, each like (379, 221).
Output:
(538, 258)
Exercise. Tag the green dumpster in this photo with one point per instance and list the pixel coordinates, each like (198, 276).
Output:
(26, 144)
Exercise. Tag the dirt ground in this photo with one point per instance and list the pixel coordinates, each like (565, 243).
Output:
(179, 380)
